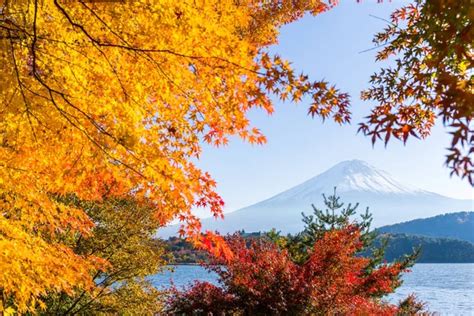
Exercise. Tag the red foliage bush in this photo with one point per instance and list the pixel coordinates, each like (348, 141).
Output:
(262, 279)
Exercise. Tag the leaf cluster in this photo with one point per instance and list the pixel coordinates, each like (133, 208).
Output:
(431, 43)
(124, 235)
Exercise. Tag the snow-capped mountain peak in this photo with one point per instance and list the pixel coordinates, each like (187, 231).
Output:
(347, 176)
(358, 175)
(356, 182)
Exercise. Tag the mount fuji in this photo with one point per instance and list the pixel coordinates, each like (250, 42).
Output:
(357, 182)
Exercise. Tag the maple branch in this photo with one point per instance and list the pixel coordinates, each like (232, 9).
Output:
(20, 85)
(63, 96)
(66, 115)
(134, 48)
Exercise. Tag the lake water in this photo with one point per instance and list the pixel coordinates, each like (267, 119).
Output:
(448, 289)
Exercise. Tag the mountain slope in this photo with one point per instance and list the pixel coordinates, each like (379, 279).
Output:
(389, 200)
(455, 225)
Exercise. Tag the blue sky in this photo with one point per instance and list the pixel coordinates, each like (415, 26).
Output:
(327, 46)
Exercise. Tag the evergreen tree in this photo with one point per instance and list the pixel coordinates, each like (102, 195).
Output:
(337, 215)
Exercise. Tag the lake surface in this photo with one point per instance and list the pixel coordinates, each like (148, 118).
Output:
(448, 289)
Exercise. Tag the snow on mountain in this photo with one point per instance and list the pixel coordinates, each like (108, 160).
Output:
(353, 175)
(357, 182)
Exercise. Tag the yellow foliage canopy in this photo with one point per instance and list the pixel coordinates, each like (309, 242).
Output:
(102, 98)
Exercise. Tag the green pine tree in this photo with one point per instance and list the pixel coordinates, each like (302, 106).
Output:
(337, 215)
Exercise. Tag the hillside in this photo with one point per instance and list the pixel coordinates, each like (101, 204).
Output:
(433, 250)
(455, 225)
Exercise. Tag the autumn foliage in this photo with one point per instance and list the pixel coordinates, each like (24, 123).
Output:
(108, 99)
(263, 280)
(331, 277)
(125, 235)
(114, 99)
(431, 77)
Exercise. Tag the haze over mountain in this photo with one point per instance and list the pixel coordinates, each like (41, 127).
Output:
(388, 200)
